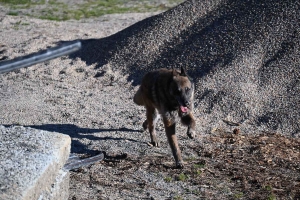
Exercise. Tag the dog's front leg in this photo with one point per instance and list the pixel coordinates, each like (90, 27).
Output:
(151, 122)
(189, 121)
(172, 139)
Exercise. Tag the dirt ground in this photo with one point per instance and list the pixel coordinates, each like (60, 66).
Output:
(227, 166)
(94, 107)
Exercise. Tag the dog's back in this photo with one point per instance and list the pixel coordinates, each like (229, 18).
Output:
(153, 85)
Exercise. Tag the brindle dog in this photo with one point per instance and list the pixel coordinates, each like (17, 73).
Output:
(171, 94)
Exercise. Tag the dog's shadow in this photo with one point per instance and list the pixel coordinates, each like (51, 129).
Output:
(76, 132)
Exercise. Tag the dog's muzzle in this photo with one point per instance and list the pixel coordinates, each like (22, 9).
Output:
(183, 105)
(184, 109)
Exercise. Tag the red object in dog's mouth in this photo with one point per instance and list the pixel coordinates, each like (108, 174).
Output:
(183, 109)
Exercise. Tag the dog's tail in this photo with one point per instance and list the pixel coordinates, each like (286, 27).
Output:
(138, 98)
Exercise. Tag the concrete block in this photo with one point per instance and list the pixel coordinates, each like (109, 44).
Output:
(31, 164)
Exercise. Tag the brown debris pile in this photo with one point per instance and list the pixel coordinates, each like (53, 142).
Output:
(259, 166)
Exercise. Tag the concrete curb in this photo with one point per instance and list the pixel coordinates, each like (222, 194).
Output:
(31, 163)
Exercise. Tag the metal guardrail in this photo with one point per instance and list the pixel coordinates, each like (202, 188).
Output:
(74, 162)
(32, 59)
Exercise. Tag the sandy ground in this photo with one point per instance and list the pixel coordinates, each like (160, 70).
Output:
(94, 106)
(68, 96)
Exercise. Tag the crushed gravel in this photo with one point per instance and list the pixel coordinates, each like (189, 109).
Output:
(244, 58)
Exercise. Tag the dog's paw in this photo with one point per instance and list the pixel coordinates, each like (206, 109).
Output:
(191, 133)
(153, 144)
(179, 165)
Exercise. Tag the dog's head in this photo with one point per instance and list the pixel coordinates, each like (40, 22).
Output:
(182, 89)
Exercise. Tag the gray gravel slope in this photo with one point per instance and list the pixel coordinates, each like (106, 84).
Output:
(244, 57)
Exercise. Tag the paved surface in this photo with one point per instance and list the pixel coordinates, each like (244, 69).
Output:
(31, 162)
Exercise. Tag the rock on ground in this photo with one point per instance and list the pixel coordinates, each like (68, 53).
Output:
(31, 164)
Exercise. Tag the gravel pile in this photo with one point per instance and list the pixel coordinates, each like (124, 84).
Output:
(243, 56)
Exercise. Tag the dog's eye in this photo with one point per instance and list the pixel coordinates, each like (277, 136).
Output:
(187, 89)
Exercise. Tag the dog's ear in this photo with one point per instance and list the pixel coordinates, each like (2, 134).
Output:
(183, 72)
(174, 72)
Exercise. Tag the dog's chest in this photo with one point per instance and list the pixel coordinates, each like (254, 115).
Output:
(171, 116)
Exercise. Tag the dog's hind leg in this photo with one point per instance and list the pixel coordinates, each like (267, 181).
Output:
(138, 98)
(152, 117)
(189, 121)
(145, 125)
(155, 119)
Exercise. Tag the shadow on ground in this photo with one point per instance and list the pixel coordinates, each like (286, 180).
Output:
(76, 132)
